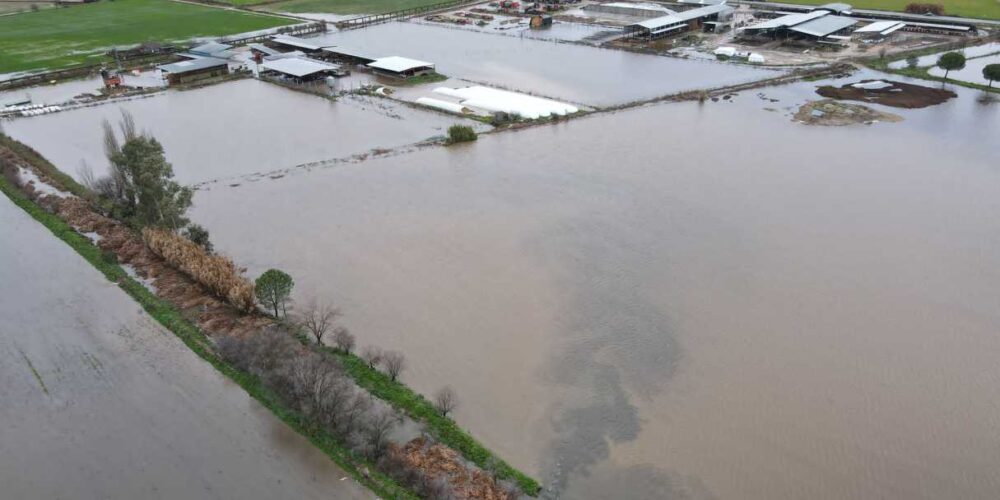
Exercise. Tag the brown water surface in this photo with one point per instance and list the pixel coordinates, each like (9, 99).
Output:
(99, 401)
(683, 300)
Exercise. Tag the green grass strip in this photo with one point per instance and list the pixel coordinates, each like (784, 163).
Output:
(196, 340)
(442, 428)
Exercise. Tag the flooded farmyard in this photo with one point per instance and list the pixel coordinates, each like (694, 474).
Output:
(710, 297)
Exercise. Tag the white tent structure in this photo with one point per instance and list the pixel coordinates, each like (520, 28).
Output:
(504, 101)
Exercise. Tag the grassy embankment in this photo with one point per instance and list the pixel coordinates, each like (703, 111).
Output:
(80, 35)
(442, 428)
(168, 316)
(379, 384)
(341, 6)
(980, 9)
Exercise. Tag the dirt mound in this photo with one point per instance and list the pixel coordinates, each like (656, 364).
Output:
(888, 93)
(829, 112)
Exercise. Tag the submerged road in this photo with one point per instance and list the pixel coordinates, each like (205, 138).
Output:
(99, 401)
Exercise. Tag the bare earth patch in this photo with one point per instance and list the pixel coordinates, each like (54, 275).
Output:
(829, 112)
(888, 93)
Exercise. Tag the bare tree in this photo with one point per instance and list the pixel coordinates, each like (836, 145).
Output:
(394, 363)
(344, 340)
(445, 400)
(354, 412)
(318, 319)
(372, 355)
(376, 432)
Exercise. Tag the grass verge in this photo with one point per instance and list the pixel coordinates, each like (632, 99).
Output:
(442, 428)
(196, 340)
(82, 34)
(980, 9)
(345, 6)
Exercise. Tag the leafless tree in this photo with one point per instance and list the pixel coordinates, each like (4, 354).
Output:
(372, 355)
(445, 400)
(318, 319)
(377, 430)
(344, 339)
(355, 412)
(394, 363)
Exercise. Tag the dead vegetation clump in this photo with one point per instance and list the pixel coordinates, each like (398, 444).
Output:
(197, 303)
(442, 464)
(216, 272)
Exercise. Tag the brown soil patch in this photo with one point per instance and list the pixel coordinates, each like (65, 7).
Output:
(829, 112)
(895, 94)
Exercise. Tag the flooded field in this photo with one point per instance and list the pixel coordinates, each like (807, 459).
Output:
(236, 129)
(972, 72)
(969, 52)
(678, 301)
(584, 75)
(101, 402)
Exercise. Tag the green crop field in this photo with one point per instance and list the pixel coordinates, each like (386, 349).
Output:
(81, 34)
(982, 9)
(346, 6)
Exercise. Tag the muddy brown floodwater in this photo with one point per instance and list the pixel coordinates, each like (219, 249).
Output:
(682, 300)
(98, 401)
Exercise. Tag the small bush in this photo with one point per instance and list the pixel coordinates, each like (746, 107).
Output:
(461, 133)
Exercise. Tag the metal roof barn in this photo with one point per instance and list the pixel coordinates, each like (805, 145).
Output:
(296, 42)
(824, 26)
(350, 53)
(787, 21)
(881, 27)
(396, 64)
(838, 8)
(193, 65)
(653, 28)
(298, 67)
(210, 49)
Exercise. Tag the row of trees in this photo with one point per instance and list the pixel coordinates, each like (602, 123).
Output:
(955, 61)
(273, 290)
(314, 384)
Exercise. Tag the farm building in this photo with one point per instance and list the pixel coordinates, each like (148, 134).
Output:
(818, 25)
(401, 67)
(299, 69)
(295, 43)
(194, 69)
(349, 55)
(641, 10)
(879, 30)
(708, 16)
(212, 49)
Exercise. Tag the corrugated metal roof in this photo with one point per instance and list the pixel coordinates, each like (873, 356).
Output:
(835, 7)
(298, 66)
(826, 25)
(398, 64)
(878, 27)
(681, 17)
(295, 42)
(192, 65)
(350, 52)
(788, 21)
(259, 47)
(207, 49)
